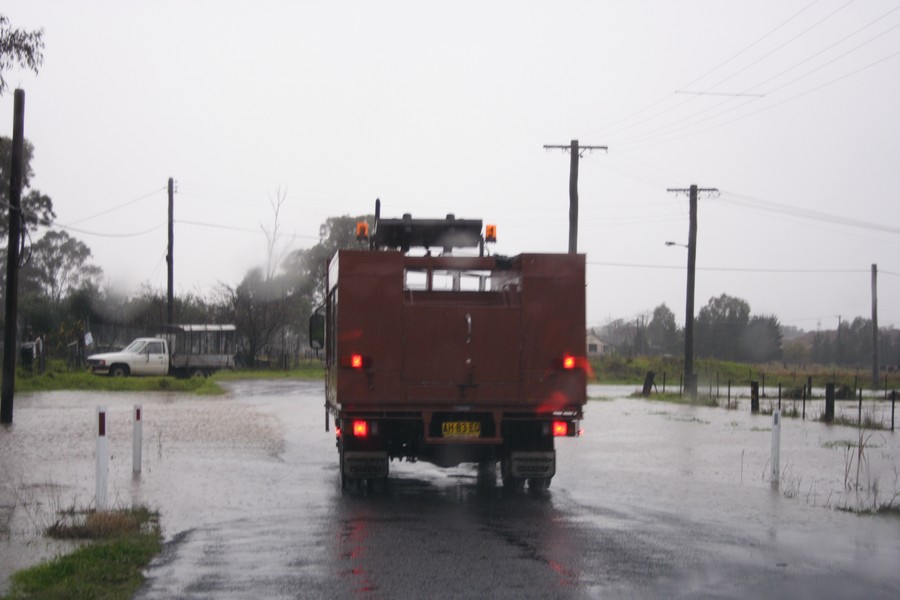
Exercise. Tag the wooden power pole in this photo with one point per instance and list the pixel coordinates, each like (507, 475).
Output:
(16, 180)
(576, 152)
(690, 382)
(170, 257)
(875, 361)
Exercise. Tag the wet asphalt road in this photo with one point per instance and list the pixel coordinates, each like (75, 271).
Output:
(655, 501)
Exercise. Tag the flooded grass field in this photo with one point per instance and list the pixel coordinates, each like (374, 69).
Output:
(262, 449)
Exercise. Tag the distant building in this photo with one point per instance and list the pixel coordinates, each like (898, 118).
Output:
(595, 346)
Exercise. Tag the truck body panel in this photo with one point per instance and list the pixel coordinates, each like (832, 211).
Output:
(452, 359)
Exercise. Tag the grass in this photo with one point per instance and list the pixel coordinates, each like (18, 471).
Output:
(58, 378)
(123, 543)
(632, 370)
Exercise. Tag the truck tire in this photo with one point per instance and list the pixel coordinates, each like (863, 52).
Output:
(347, 483)
(510, 483)
(486, 476)
(119, 371)
(539, 485)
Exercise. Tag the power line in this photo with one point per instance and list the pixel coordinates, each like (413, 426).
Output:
(749, 201)
(758, 41)
(776, 105)
(115, 208)
(692, 82)
(730, 269)
(110, 235)
(243, 229)
(790, 41)
(668, 129)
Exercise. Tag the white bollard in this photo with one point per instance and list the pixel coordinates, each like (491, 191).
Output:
(102, 458)
(776, 447)
(136, 441)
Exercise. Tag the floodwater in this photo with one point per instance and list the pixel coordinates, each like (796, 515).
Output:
(655, 500)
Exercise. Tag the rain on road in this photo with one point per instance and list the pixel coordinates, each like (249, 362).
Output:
(655, 501)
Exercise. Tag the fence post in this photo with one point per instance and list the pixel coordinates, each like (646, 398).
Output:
(664, 382)
(829, 402)
(102, 459)
(137, 437)
(729, 393)
(809, 386)
(754, 397)
(776, 448)
(893, 400)
(859, 412)
(648, 384)
(804, 404)
(779, 395)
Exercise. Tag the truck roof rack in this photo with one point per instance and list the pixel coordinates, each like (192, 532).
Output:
(406, 233)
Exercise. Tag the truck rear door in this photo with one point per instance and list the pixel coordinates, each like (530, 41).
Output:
(461, 349)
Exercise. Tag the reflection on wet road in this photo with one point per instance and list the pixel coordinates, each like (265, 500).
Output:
(654, 501)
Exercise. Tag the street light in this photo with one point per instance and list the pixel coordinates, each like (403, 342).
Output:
(690, 383)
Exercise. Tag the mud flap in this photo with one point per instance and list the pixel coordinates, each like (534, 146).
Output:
(533, 465)
(365, 465)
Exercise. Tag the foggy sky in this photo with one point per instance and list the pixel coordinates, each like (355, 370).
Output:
(788, 108)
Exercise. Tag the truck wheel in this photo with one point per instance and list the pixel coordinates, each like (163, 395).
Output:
(347, 483)
(486, 477)
(539, 485)
(118, 371)
(510, 483)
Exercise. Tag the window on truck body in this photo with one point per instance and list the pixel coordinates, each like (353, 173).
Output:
(447, 280)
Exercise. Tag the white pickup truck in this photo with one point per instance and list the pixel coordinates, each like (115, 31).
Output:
(184, 350)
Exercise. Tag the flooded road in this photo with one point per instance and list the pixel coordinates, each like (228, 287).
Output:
(655, 500)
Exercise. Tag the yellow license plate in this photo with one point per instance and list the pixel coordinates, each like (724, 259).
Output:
(461, 429)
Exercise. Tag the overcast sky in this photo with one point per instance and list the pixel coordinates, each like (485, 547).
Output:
(788, 107)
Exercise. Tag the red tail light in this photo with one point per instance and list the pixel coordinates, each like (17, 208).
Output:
(356, 361)
(560, 428)
(360, 429)
(568, 362)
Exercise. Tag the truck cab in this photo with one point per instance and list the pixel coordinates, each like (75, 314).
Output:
(143, 356)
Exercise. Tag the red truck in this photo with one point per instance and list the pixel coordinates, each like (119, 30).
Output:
(449, 358)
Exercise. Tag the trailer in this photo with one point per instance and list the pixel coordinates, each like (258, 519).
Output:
(451, 358)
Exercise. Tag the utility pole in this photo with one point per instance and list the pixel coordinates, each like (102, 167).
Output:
(16, 221)
(690, 381)
(576, 152)
(170, 257)
(875, 366)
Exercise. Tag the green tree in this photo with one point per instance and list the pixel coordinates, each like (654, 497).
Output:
(662, 332)
(263, 312)
(761, 340)
(19, 48)
(306, 268)
(57, 268)
(58, 265)
(37, 209)
(720, 327)
(822, 350)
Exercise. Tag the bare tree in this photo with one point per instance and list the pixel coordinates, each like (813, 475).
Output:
(275, 253)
